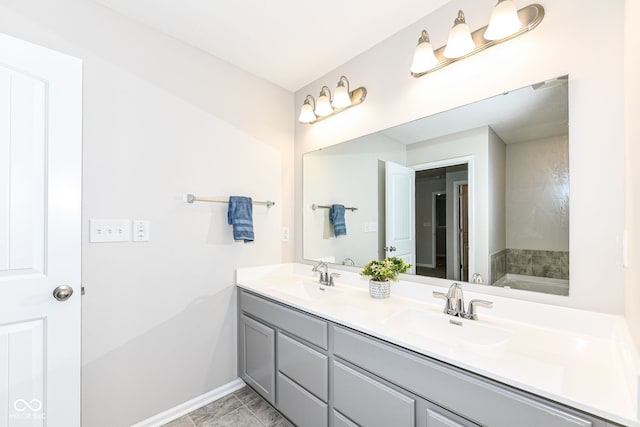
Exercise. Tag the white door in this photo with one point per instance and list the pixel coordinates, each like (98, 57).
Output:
(400, 208)
(40, 223)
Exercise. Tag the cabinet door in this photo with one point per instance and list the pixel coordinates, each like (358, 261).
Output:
(300, 406)
(257, 357)
(368, 402)
(442, 418)
(307, 367)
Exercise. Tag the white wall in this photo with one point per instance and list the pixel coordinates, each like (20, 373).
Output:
(497, 196)
(538, 195)
(556, 47)
(162, 119)
(632, 112)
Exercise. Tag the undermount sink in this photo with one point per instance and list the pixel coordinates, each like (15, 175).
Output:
(448, 329)
(306, 290)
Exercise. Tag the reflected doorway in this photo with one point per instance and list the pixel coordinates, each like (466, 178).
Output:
(462, 229)
(442, 222)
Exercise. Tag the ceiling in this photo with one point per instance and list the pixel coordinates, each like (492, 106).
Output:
(288, 42)
(533, 112)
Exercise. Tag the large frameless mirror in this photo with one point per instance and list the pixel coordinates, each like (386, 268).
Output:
(477, 194)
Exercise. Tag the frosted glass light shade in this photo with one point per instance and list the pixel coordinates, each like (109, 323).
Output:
(306, 113)
(459, 42)
(341, 97)
(504, 21)
(323, 106)
(423, 58)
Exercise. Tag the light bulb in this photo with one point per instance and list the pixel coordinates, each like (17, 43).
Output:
(423, 56)
(504, 21)
(341, 96)
(323, 106)
(460, 42)
(306, 112)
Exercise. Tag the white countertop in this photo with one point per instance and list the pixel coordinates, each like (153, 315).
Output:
(582, 359)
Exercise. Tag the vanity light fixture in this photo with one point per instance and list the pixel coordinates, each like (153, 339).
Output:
(312, 111)
(323, 106)
(306, 112)
(506, 23)
(423, 57)
(341, 98)
(460, 42)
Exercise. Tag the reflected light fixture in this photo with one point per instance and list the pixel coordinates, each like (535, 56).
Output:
(460, 42)
(423, 57)
(505, 24)
(312, 111)
(504, 21)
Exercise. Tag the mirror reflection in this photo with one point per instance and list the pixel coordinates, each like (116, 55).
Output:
(479, 193)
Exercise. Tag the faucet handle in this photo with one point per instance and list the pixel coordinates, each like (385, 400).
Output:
(447, 307)
(472, 314)
(333, 276)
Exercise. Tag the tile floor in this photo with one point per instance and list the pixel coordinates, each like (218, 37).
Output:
(241, 408)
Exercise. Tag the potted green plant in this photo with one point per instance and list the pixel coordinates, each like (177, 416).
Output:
(380, 273)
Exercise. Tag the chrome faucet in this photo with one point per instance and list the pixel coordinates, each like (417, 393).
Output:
(455, 303)
(323, 269)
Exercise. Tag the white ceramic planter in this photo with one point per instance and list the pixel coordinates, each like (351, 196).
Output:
(379, 289)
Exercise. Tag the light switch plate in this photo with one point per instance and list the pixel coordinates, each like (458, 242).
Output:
(109, 230)
(141, 230)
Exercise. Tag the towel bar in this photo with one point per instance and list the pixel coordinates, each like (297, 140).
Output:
(314, 207)
(191, 198)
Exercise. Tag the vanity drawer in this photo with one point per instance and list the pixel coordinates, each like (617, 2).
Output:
(468, 395)
(300, 406)
(305, 366)
(340, 420)
(369, 402)
(441, 418)
(301, 325)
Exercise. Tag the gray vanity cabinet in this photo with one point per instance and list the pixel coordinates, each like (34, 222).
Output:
(295, 361)
(362, 398)
(257, 356)
(321, 374)
(473, 397)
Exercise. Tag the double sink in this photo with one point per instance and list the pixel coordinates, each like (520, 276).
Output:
(432, 325)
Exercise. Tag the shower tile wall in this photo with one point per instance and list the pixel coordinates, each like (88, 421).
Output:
(527, 262)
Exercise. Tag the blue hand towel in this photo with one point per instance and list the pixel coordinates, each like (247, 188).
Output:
(240, 216)
(336, 217)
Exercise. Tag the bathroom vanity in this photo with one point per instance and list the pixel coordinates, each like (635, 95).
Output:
(335, 357)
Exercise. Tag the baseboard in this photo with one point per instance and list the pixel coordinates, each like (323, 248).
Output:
(191, 405)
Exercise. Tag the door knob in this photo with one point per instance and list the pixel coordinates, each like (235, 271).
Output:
(63, 292)
(390, 248)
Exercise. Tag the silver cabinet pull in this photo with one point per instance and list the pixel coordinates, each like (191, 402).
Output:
(63, 293)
